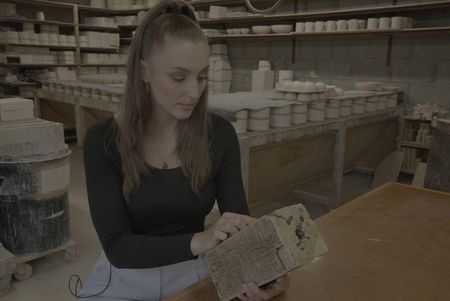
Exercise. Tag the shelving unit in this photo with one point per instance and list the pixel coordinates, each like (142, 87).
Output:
(409, 128)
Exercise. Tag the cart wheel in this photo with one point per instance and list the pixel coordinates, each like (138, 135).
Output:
(5, 284)
(23, 271)
(71, 253)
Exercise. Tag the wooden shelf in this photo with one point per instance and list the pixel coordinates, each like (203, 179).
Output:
(35, 65)
(18, 20)
(102, 65)
(98, 28)
(207, 3)
(129, 27)
(99, 49)
(414, 144)
(412, 118)
(126, 40)
(43, 3)
(41, 46)
(18, 84)
(359, 33)
(331, 14)
(107, 11)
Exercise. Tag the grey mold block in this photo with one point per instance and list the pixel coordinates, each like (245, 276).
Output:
(264, 250)
(31, 141)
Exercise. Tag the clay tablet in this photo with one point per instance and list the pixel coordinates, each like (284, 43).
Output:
(264, 250)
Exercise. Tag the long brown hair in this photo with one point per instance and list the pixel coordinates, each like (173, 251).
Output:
(175, 19)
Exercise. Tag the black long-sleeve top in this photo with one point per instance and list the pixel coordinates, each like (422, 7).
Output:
(157, 226)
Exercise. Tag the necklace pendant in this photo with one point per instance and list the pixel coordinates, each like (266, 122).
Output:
(165, 166)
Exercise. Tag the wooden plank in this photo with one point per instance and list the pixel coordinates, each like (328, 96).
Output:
(338, 168)
(395, 259)
(419, 176)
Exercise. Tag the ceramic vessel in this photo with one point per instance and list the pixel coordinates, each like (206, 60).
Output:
(259, 120)
(280, 116)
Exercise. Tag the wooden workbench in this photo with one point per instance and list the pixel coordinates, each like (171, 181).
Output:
(392, 243)
(331, 146)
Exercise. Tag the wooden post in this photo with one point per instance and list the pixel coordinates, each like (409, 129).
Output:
(338, 169)
(244, 145)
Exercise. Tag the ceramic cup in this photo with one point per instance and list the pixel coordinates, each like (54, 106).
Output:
(353, 24)
(407, 22)
(342, 25)
(385, 23)
(331, 25)
(309, 26)
(319, 26)
(372, 23)
(40, 16)
(300, 27)
(362, 24)
(397, 22)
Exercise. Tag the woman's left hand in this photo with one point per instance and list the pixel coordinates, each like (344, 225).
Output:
(251, 292)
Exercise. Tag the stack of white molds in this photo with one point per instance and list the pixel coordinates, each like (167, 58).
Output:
(220, 73)
(263, 78)
(16, 109)
(66, 57)
(332, 108)
(280, 116)
(259, 120)
(241, 122)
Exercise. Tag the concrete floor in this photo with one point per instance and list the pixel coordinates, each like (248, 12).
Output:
(51, 274)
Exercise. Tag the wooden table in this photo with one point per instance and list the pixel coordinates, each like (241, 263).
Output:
(392, 243)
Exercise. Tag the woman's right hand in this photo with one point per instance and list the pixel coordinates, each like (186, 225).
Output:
(227, 225)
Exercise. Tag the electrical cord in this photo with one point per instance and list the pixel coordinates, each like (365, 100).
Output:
(262, 11)
(79, 284)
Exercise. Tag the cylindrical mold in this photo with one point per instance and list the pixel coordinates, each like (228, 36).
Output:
(438, 169)
(34, 180)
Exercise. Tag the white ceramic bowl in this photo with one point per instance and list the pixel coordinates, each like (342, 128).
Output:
(260, 29)
(245, 30)
(282, 28)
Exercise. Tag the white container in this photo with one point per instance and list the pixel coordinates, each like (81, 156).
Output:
(391, 100)
(319, 26)
(304, 97)
(277, 95)
(316, 110)
(285, 75)
(59, 88)
(353, 24)
(77, 91)
(300, 27)
(259, 120)
(68, 89)
(299, 113)
(291, 96)
(373, 23)
(382, 101)
(280, 116)
(342, 25)
(86, 92)
(332, 109)
(358, 105)
(241, 123)
(371, 103)
(309, 26)
(397, 22)
(385, 23)
(331, 25)
(346, 107)
(281, 28)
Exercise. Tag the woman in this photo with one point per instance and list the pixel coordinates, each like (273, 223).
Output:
(154, 170)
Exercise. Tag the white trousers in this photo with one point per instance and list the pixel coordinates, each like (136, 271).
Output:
(152, 284)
